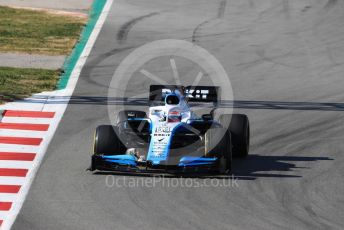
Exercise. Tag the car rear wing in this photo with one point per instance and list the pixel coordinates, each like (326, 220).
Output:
(194, 94)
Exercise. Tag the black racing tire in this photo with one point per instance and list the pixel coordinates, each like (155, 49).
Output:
(218, 144)
(93, 166)
(106, 141)
(239, 127)
(125, 114)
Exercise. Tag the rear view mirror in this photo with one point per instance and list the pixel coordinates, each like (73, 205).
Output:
(207, 117)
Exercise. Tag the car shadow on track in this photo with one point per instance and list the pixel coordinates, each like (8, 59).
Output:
(240, 104)
(260, 166)
(250, 168)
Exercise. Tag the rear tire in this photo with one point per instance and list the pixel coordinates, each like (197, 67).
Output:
(239, 127)
(221, 149)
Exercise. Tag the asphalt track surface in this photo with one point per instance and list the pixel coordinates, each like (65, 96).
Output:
(285, 60)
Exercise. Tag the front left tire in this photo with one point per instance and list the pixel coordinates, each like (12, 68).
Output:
(239, 127)
(218, 144)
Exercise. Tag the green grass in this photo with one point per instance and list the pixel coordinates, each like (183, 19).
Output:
(38, 32)
(18, 83)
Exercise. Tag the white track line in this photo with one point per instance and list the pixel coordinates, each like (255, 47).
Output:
(22, 106)
(26, 120)
(15, 164)
(3, 216)
(10, 216)
(19, 148)
(10, 180)
(22, 133)
(8, 197)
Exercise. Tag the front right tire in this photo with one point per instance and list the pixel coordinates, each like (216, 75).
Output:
(106, 142)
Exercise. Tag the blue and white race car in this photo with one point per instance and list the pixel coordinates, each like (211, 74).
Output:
(171, 137)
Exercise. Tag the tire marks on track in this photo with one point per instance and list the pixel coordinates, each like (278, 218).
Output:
(96, 61)
(220, 14)
(222, 9)
(330, 4)
(124, 30)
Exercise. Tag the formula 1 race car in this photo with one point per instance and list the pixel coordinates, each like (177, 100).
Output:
(172, 137)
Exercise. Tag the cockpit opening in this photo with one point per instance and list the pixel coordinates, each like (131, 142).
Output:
(172, 99)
